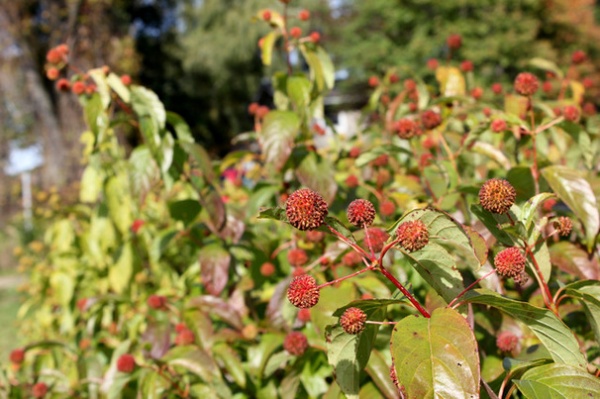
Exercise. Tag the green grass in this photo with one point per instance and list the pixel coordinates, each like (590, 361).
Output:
(9, 305)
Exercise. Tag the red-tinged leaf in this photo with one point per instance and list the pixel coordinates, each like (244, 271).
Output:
(572, 187)
(215, 210)
(277, 136)
(214, 268)
(573, 260)
(218, 307)
(436, 357)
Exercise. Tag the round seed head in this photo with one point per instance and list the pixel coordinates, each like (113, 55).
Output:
(353, 320)
(507, 341)
(297, 257)
(431, 119)
(526, 84)
(564, 225)
(295, 343)
(126, 363)
(412, 235)
(306, 209)
(497, 196)
(510, 262)
(303, 292)
(361, 213)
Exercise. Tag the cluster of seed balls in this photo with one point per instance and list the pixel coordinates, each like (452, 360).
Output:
(306, 210)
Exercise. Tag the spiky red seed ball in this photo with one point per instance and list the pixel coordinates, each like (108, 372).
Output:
(90, 89)
(406, 128)
(63, 85)
(315, 236)
(547, 87)
(62, 49)
(498, 125)
(126, 363)
(571, 113)
(157, 302)
(412, 107)
(549, 204)
(306, 209)
(353, 320)
(17, 356)
(431, 119)
(588, 83)
(39, 390)
(54, 56)
(295, 343)
(373, 81)
(466, 66)
(578, 57)
(352, 181)
(564, 225)
(507, 341)
(454, 41)
(303, 292)
(354, 152)
(185, 337)
(179, 327)
(412, 235)
(376, 238)
(267, 269)
(252, 108)
(262, 111)
(410, 85)
(304, 15)
(387, 208)
(487, 111)
(297, 257)
(351, 259)
(432, 64)
(589, 109)
(136, 225)
(126, 80)
(497, 196)
(78, 88)
(298, 271)
(510, 262)
(477, 93)
(266, 15)
(526, 84)
(394, 78)
(295, 32)
(381, 160)
(304, 315)
(52, 73)
(497, 88)
(361, 213)
(315, 37)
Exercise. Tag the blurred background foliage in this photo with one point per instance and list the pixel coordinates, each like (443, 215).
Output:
(202, 58)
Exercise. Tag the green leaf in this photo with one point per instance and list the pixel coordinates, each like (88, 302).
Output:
(146, 103)
(277, 136)
(551, 331)
(314, 172)
(546, 65)
(558, 381)
(529, 211)
(452, 81)
(322, 71)
(118, 199)
(448, 250)
(185, 210)
(588, 293)
(379, 371)
(182, 130)
(436, 357)
(115, 83)
(298, 90)
(91, 184)
(102, 90)
(142, 169)
(258, 355)
(521, 178)
(571, 187)
(63, 287)
(492, 223)
(119, 274)
(232, 363)
(276, 213)
(542, 256)
(268, 42)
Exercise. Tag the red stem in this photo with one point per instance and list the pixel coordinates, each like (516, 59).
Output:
(471, 286)
(404, 291)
